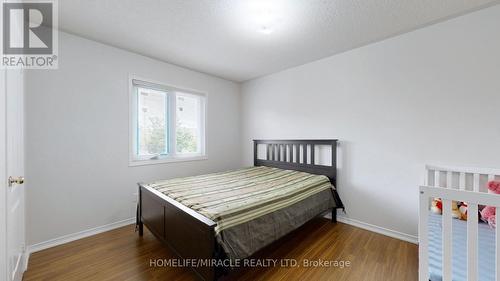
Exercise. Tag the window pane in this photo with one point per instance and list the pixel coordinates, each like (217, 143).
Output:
(188, 123)
(152, 126)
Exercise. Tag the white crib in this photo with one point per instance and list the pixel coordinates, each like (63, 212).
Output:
(458, 184)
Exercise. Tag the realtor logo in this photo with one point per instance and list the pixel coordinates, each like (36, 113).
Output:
(29, 34)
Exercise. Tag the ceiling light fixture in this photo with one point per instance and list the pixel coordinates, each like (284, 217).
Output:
(266, 14)
(266, 30)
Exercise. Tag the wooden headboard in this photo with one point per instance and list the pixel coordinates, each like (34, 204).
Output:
(287, 154)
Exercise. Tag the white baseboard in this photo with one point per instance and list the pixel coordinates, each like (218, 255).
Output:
(377, 229)
(75, 236)
(71, 237)
(21, 267)
(26, 257)
(17, 273)
(89, 232)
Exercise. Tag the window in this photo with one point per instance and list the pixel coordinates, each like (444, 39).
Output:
(167, 124)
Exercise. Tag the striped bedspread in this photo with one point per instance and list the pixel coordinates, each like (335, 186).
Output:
(235, 197)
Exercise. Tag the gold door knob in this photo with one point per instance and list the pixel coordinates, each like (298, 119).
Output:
(17, 180)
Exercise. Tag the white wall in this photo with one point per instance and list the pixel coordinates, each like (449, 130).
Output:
(429, 96)
(77, 136)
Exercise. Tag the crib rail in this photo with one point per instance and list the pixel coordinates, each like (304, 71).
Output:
(450, 184)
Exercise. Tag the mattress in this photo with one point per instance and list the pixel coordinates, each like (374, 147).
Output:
(459, 231)
(252, 207)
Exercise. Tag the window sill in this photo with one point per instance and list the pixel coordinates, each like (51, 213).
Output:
(133, 163)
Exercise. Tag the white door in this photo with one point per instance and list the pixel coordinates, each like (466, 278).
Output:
(12, 187)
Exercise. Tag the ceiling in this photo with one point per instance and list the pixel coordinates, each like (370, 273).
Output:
(243, 39)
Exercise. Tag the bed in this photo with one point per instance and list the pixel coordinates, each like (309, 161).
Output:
(233, 214)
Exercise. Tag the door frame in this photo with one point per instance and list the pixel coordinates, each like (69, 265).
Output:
(5, 273)
(3, 168)
(3, 177)
(4, 254)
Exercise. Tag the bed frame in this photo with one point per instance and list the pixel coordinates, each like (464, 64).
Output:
(456, 184)
(191, 235)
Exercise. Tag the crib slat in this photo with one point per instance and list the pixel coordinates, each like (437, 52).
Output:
(461, 181)
(476, 182)
(447, 240)
(472, 236)
(423, 236)
(437, 178)
(497, 245)
(491, 177)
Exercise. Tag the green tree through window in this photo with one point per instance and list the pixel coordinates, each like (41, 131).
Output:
(186, 140)
(156, 141)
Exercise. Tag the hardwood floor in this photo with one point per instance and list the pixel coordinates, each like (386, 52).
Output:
(121, 254)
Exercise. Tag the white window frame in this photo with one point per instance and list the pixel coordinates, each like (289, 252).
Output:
(173, 156)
